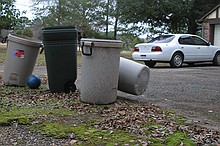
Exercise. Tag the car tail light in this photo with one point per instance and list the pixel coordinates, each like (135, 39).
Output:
(156, 49)
(136, 49)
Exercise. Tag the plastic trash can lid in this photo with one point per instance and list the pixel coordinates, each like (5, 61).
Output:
(60, 33)
(102, 43)
(24, 41)
(59, 27)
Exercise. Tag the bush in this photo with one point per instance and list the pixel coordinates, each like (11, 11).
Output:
(24, 32)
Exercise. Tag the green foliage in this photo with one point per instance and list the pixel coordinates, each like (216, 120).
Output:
(130, 40)
(84, 14)
(9, 15)
(24, 32)
(175, 16)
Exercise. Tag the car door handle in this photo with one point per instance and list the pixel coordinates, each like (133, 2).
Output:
(198, 47)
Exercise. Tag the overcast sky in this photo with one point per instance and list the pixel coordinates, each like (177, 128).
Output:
(24, 5)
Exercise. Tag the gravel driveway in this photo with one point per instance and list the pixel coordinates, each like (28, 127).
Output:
(191, 91)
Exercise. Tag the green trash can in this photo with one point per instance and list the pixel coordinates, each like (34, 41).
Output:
(60, 45)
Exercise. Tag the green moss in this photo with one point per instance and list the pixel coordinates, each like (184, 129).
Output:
(13, 90)
(7, 119)
(86, 134)
(154, 140)
(26, 116)
(176, 139)
(153, 125)
(181, 120)
(56, 112)
(179, 138)
(21, 116)
(53, 129)
(54, 118)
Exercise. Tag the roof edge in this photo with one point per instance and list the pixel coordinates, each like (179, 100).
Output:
(202, 18)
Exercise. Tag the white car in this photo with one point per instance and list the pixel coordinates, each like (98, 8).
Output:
(177, 49)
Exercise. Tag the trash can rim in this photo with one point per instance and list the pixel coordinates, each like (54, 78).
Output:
(101, 43)
(100, 40)
(24, 41)
(59, 27)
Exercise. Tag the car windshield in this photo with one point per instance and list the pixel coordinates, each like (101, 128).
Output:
(162, 39)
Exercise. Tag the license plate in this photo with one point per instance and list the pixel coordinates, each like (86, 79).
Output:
(143, 56)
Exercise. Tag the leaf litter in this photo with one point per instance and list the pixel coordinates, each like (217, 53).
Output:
(148, 123)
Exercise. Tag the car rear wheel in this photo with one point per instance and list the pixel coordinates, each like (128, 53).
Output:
(177, 60)
(150, 64)
(216, 60)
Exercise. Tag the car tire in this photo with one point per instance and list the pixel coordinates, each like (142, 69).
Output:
(177, 60)
(216, 60)
(150, 64)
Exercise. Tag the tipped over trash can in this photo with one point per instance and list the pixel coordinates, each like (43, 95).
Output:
(100, 70)
(60, 45)
(20, 60)
(133, 77)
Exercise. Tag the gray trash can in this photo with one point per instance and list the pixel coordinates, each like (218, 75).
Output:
(100, 70)
(20, 60)
(133, 77)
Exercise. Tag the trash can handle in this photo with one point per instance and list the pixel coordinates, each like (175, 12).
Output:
(41, 48)
(90, 49)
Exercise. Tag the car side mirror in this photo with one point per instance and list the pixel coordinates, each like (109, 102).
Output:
(209, 44)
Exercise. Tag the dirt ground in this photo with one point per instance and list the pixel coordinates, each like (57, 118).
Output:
(191, 91)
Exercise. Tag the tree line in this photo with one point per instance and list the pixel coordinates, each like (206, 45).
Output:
(111, 18)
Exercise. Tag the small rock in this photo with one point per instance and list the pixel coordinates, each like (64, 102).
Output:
(73, 142)
(210, 111)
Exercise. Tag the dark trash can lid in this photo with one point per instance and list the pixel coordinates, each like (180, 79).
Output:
(60, 33)
(59, 27)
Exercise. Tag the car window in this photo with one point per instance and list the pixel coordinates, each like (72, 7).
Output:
(199, 41)
(186, 40)
(162, 39)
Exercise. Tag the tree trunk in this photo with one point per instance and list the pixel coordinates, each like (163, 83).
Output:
(107, 17)
(116, 28)
(116, 21)
(192, 25)
(59, 15)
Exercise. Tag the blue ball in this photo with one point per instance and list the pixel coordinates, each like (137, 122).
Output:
(33, 81)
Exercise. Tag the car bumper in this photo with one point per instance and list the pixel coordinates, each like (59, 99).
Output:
(154, 56)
